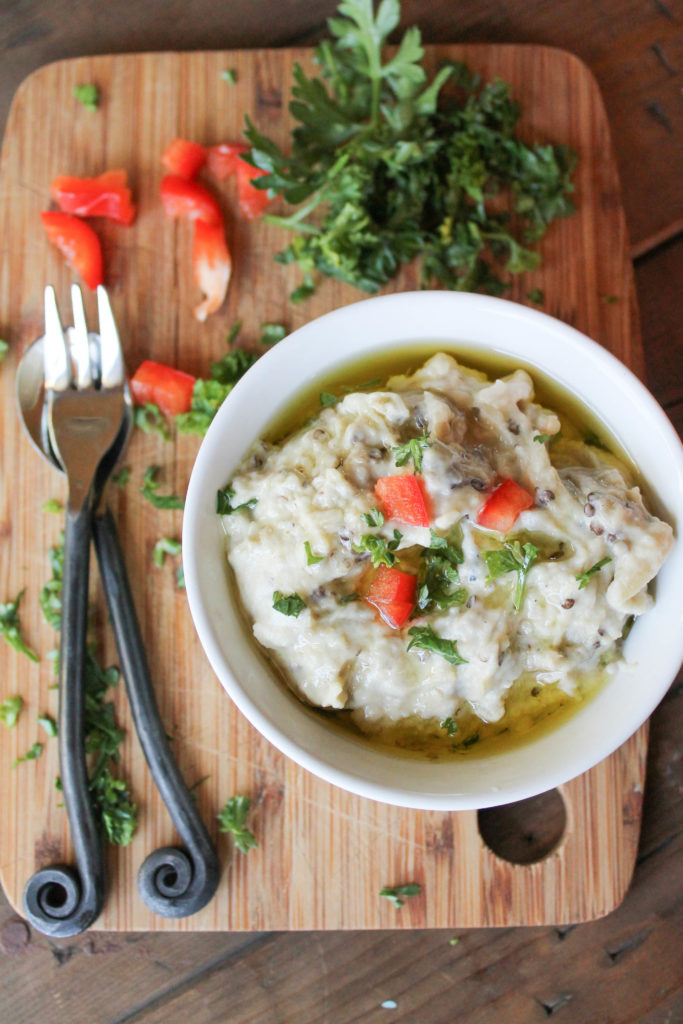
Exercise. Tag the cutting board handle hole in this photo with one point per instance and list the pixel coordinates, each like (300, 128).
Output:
(526, 831)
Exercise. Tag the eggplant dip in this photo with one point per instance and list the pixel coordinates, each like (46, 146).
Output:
(426, 553)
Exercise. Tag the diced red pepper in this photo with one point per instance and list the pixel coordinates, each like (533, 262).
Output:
(212, 266)
(78, 243)
(190, 199)
(392, 593)
(107, 195)
(222, 159)
(403, 499)
(501, 508)
(170, 389)
(184, 158)
(253, 201)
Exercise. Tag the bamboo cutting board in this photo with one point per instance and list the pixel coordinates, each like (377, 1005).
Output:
(323, 854)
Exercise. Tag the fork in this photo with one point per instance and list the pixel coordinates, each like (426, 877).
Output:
(172, 881)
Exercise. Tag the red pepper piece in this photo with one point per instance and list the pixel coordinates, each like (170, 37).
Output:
(107, 195)
(78, 243)
(392, 593)
(170, 389)
(184, 158)
(402, 498)
(501, 508)
(212, 266)
(252, 201)
(222, 159)
(190, 199)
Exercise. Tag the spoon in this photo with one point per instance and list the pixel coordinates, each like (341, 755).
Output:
(172, 882)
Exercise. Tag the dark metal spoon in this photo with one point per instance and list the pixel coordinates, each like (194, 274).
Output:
(173, 882)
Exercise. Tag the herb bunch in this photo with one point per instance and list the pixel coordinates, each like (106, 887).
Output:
(385, 167)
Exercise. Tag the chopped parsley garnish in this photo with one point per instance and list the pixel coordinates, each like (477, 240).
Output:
(49, 725)
(542, 438)
(348, 598)
(10, 709)
(232, 818)
(150, 487)
(412, 449)
(209, 395)
(327, 400)
(399, 893)
(229, 75)
(165, 546)
(88, 94)
(31, 755)
(122, 477)
(288, 604)
(584, 578)
(10, 627)
(312, 559)
(384, 169)
(438, 575)
(536, 295)
(180, 577)
(52, 506)
(304, 291)
(224, 506)
(450, 725)
(426, 639)
(373, 518)
(513, 557)
(381, 550)
(150, 419)
(272, 333)
(595, 441)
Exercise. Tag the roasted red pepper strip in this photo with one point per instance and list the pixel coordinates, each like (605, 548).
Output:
(169, 389)
(184, 158)
(212, 266)
(501, 508)
(79, 244)
(402, 499)
(107, 195)
(222, 159)
(392, 593)
(190, 199)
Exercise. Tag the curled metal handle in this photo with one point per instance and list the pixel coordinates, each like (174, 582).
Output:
(60, 900)
(172, 882)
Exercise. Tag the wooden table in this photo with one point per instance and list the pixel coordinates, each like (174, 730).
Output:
(626, 967)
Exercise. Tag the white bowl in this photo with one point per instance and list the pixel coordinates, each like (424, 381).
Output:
(653, 651)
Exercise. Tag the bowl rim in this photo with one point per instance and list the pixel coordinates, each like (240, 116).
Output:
(270, 366)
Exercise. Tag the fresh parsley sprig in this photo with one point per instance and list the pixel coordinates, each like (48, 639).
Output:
(425, 638)
(412, 449)
(584, 578)
(288, 604)
(512, 557)
(380, 549)
(232, 819)
(438, 578)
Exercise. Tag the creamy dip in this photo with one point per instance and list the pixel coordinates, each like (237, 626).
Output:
(550, 609)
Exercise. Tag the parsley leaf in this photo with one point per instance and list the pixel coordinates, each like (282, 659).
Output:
(512, 558)
(399, 893)
(328, 401)
(88, 94)
(122, 477)
(272, 333)
(31, 755)
(10, 627)
(450, 725)
(536, 295)
(425, 638)
(224, 505)
(165, 546)
(583, 578)
(52, 506)
(229, 75)
(542, 438)
(412, 450)
(149, 418)
(49, 725)
(150, 487)
(288, 604)
(381, 550)
(232, 818)
(312, 559)
(373, 518)
(10, 709)
(438, 574)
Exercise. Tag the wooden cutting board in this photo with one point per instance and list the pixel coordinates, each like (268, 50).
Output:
(323, 854)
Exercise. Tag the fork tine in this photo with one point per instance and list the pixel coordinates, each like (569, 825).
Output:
(80, 347)
(56, 359)
(111, 356)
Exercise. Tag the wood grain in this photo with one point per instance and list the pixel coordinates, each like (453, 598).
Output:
(324, 854)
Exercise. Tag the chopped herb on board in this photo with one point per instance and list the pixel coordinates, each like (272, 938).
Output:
(165, 546)
(150, 419)
(121, 478)
(399, 893)
(232, 818)
(52, 506)
(208, 395)
(272, 333)
(584, 578)
(49, 725)
(31, 755)
(426, 639)
(536, 295)
(150, 487)
(10, 709)
(450, 725)
(288, 604)
(229, 75)
(10, 627)
(413, 449)
(88, 94)
(384, 166)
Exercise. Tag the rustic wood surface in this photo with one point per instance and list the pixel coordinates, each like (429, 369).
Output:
(625, 967)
